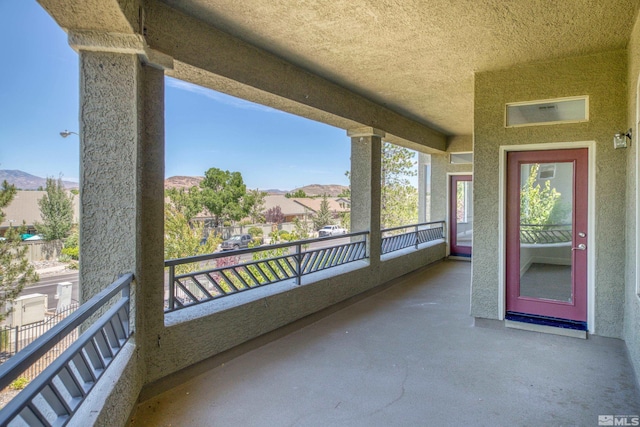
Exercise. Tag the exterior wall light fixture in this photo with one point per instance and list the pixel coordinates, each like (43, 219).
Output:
(620, 139)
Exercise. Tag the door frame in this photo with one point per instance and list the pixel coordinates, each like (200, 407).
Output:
(502, 232)
(448, 209)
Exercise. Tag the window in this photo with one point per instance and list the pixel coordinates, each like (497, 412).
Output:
(547, 171)
(547, 112)
(461, 158)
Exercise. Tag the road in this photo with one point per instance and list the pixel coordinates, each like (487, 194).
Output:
(49, 286)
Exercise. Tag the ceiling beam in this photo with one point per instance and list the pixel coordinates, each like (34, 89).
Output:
(225, 58)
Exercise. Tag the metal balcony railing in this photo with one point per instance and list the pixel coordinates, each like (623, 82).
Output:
(396, 238)
(545, 233)
(55, 395)
(222, 274)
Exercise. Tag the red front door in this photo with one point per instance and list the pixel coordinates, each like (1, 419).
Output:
(547, 233)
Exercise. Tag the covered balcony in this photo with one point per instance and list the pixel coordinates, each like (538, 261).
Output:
(404, 354)
(364, 335)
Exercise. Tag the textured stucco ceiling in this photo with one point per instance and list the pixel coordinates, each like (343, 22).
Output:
(418, 57)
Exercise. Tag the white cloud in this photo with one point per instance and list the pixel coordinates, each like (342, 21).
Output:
(219, 97)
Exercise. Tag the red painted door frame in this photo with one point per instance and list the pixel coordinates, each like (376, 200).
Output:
(577, 308)
(454, 248)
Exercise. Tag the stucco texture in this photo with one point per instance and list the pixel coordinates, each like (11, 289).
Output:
(603, 78)
(632, 300)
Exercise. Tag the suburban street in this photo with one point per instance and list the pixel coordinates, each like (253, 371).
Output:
(48, 286)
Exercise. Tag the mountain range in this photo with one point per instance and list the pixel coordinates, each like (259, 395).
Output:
(26, 181)
(331, 190)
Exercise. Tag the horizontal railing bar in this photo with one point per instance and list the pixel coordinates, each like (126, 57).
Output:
(421, 224)
(198, 258)
(10, 369)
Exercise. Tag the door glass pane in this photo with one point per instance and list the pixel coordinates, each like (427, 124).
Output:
(464, 214)
(546, 231)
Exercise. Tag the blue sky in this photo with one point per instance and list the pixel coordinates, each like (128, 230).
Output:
(39, 98)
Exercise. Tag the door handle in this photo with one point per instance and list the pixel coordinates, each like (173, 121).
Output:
(581, 247)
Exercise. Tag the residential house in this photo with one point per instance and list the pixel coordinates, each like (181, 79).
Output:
(24, 209)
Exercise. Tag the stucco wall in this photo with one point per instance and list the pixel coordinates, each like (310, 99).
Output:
(603, 77)
(632, 301)
(434, 208)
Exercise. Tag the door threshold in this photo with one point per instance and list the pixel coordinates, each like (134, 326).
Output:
(545, 329)
(460, 258)
(544, 324)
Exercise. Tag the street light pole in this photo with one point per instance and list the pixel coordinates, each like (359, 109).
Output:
(65, 133)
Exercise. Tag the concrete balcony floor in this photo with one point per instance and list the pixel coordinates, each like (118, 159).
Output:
(406, 356)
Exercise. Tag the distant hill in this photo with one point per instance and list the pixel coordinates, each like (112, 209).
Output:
(331, 190)
(182, 182)
(26, 181)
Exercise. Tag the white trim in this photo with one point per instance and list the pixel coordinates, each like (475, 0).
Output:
(448, 203)
(591, 241)
(546, 101)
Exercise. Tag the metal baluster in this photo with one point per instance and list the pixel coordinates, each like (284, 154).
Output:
(298, 258)
(172, 290)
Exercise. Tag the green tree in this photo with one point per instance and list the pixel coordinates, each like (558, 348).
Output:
(323, 216)
(300, 194)
(224, 194)
(56, 209)
(538, 204)
(256, 200)
(399, 199)
(15, 270)
(187, 202)
(182, 239)
(301, 229)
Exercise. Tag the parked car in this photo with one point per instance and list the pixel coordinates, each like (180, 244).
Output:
(331, 230)
(239, 241)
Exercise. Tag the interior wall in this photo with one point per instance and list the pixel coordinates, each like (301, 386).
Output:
(632, 302)
(602, 77)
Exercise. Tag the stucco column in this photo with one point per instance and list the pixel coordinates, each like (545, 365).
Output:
(122, 173)
(366, 152)
(424, 187)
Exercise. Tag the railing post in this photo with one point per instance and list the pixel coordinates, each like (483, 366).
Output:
(417, 238)
(172, 286)
(444, 231)
(17, 339)
(298, 259)
(126, 293)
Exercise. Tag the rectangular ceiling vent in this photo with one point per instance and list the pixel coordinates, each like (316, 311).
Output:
(547, 112)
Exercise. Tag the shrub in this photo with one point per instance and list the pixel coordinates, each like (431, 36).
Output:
(255, 232)
(19, 383)
(64, 258)
(72, 253)
(73, 265)
(284, 235)
(73, 240)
